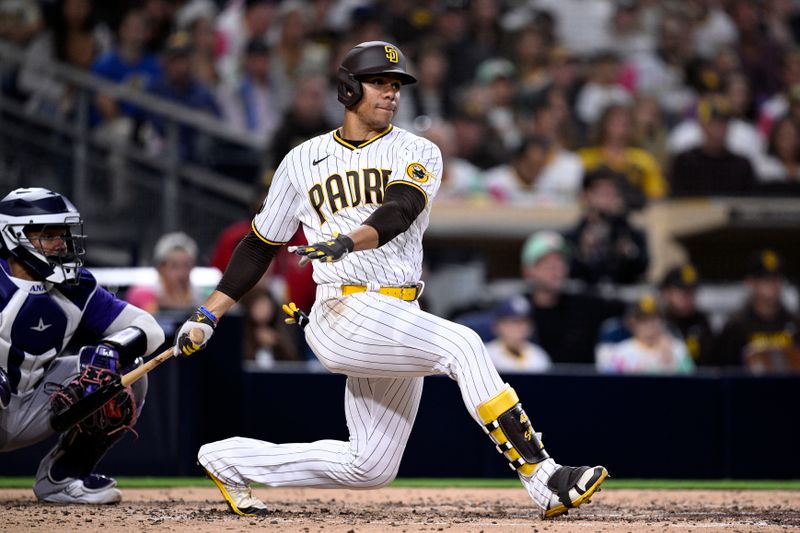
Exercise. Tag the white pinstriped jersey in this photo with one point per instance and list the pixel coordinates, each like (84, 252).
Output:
(331, 186)
(384, 345)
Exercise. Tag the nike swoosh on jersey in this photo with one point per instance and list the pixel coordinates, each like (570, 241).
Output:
(318, 161)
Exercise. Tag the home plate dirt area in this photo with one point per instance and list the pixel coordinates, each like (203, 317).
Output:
(400, 510)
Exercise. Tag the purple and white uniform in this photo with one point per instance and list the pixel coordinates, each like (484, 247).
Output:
(38, 321)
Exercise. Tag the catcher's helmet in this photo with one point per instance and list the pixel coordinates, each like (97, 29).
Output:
(35, 209)
(366, 59)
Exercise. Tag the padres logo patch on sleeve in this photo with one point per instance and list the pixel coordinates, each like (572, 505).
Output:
(418, 172)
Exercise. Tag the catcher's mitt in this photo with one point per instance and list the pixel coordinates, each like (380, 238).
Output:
(118, 414)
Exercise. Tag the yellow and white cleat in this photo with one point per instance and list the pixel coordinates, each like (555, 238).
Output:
(240, 500)
(573, 486)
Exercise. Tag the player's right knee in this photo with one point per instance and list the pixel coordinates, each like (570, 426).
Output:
(471, 342)
(510, 429)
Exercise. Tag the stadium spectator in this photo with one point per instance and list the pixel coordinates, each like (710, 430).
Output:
(512, 350)
(267, 339)
(460, 178)
(711, 169)
(753, 46)
(539, 172)
(20, 21)
(71, 37)
(567, 321)
(128, 63)
(741, 138)
(649, 131)
(198, 17)
(606, 247)
(764, 334)
(582, 27)
(304, 119)
(712, 27)
(651, 350)
(531, 55)
(240, 22)
(602, 89)
(251, 103)
(181, 86)
(678, 290)
(452, 27)
(174, 256)
(628, 32)
(429, 99)
(663, 72)
(781, 164)
(777, 19)
(778, 104)
(486, 34)
(293, 55)
(613, 148)
(160, 22)
(549, 115)
(496, 78)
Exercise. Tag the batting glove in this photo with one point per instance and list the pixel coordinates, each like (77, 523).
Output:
(327, 251)
(295, 315)
(201, 319)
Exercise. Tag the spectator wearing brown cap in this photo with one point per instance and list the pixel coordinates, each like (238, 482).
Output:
(764, 334)
(651, 350)
(679, 294)
(712, 169)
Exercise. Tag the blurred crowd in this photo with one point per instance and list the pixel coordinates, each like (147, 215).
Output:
(605, 104)
(679, 97)
(662, 331)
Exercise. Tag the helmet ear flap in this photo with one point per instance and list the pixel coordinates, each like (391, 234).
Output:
(349, 88)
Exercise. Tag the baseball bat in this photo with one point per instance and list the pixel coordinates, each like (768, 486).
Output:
(84, 407)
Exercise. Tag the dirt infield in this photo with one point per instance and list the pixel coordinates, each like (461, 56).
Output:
(406, 510)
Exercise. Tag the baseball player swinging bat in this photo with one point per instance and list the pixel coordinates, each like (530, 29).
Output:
(84, 407)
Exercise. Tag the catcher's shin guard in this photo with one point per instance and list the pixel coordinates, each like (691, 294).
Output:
(508, 426)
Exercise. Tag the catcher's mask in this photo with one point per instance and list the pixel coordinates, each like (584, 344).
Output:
(367, 59)
(44, 231)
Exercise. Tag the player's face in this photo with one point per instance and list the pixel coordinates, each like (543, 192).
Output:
(49, 241)
(380, 101)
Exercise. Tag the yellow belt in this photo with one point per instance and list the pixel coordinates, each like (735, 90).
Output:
(408, 294)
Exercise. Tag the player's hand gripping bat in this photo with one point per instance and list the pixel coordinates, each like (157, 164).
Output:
(87, 405)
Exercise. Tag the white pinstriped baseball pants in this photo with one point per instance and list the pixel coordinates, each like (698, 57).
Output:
(385, 346)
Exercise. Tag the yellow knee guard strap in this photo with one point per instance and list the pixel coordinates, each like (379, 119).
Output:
(509, 427)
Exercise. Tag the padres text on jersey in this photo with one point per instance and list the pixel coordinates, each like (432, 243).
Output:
(330, 185)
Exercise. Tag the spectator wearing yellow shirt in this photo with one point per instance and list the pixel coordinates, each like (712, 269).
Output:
(613, 147)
